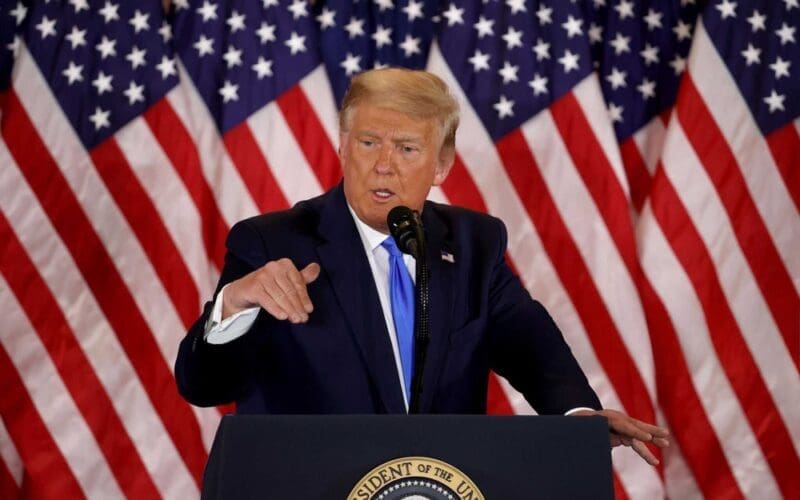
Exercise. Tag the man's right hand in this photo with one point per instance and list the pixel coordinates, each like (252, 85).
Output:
(278, 287)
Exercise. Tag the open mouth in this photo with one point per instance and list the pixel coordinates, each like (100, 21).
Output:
(382, 194)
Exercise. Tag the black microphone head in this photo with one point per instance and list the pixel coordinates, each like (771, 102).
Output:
(405, 226)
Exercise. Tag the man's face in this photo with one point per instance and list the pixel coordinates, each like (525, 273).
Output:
(389, 159)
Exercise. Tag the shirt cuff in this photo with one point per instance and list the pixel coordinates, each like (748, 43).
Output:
(219, 331)
(570, 412)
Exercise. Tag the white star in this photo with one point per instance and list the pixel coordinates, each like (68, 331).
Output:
(100, 118)
(382, 36)
(621, 44)
(266, 32)
(516, 6)
(757, 21)
(351, 64)
(780, 67)
(326, 18)
(14, 47)
(236, 21)
(509, 72)
(79, 5)
(232, 56)
(180, 4)
(752, 55)
(110, 12)
(625, 9)
(484, 27)
(76, 37)
(269, 3)
(786, 34)
(136, 57)
(617, 78)
(47, 27)
(678, 64)
(479, 61)
(208, 11)
(653, 19)
(726, 9)
(385, 4)
(103, 83)
(166, 67)
(165, 31)
(650, 54)
(296, 43)
(569, 61)
(599, 3)
(263, 67)
(513, 38)
(204, 46)
(229, 92)
(545, 15)
(647, 89)
(573, 27)
(790, 4)
(538, 84)
(134, 93)
(454, 15)
(19, 13)
(682, 30)
(410, 45)
(298, 9)
(615, 112)
(542, 49)
(775, 101)
(413, 10)
(504, 107)
(106, 47)
(355, 27)
(595, 33)
(139, 21)
(73, 72)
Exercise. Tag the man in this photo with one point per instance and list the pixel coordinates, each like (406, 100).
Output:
(306, 317)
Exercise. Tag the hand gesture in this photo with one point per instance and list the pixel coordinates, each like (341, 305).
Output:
(278, 287)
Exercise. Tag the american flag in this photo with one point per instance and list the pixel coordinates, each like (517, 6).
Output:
(644, 156)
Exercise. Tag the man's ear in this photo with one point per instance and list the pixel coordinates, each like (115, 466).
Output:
(446, 158)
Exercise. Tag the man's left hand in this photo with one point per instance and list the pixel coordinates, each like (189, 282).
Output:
(631, 432)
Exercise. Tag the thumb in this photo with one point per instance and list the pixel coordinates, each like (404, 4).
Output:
(310, 272)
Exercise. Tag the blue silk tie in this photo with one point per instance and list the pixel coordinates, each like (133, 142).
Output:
(401, 289)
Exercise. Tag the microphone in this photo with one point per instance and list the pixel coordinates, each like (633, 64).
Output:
(406, 228)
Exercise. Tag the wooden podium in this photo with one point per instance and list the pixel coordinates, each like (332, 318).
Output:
(391, 457)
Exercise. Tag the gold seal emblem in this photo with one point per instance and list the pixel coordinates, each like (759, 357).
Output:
(415, 478)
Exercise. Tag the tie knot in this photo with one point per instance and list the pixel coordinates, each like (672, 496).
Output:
(391, 247)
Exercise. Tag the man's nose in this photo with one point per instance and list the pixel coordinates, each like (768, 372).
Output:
(384, 163)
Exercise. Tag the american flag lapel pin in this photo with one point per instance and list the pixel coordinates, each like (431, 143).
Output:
(448, 257)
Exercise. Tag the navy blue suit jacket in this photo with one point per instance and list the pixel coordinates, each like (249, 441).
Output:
(341, 360)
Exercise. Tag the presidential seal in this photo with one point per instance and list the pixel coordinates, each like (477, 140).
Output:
(415, 478)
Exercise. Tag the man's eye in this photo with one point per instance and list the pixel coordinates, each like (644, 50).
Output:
(409, 149)
(367, 142)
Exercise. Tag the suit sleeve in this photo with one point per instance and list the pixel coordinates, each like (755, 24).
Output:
(527, 348)
(209, 375)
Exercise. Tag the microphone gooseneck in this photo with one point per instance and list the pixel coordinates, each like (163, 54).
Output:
(409, 234)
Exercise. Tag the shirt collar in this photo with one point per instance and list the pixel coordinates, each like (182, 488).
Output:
(371, 238)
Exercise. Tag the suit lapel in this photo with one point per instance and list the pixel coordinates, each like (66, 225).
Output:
(343, 261)
(441, 301)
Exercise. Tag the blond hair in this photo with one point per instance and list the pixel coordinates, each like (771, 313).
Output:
(415, 93)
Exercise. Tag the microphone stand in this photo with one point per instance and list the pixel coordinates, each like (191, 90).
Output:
(421, 319)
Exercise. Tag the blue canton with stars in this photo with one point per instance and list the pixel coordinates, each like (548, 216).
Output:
(12, 22)
(356, 36)
(101, 60)
(639, 50)
(513, 59)
(758, 41)
(243, 54)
